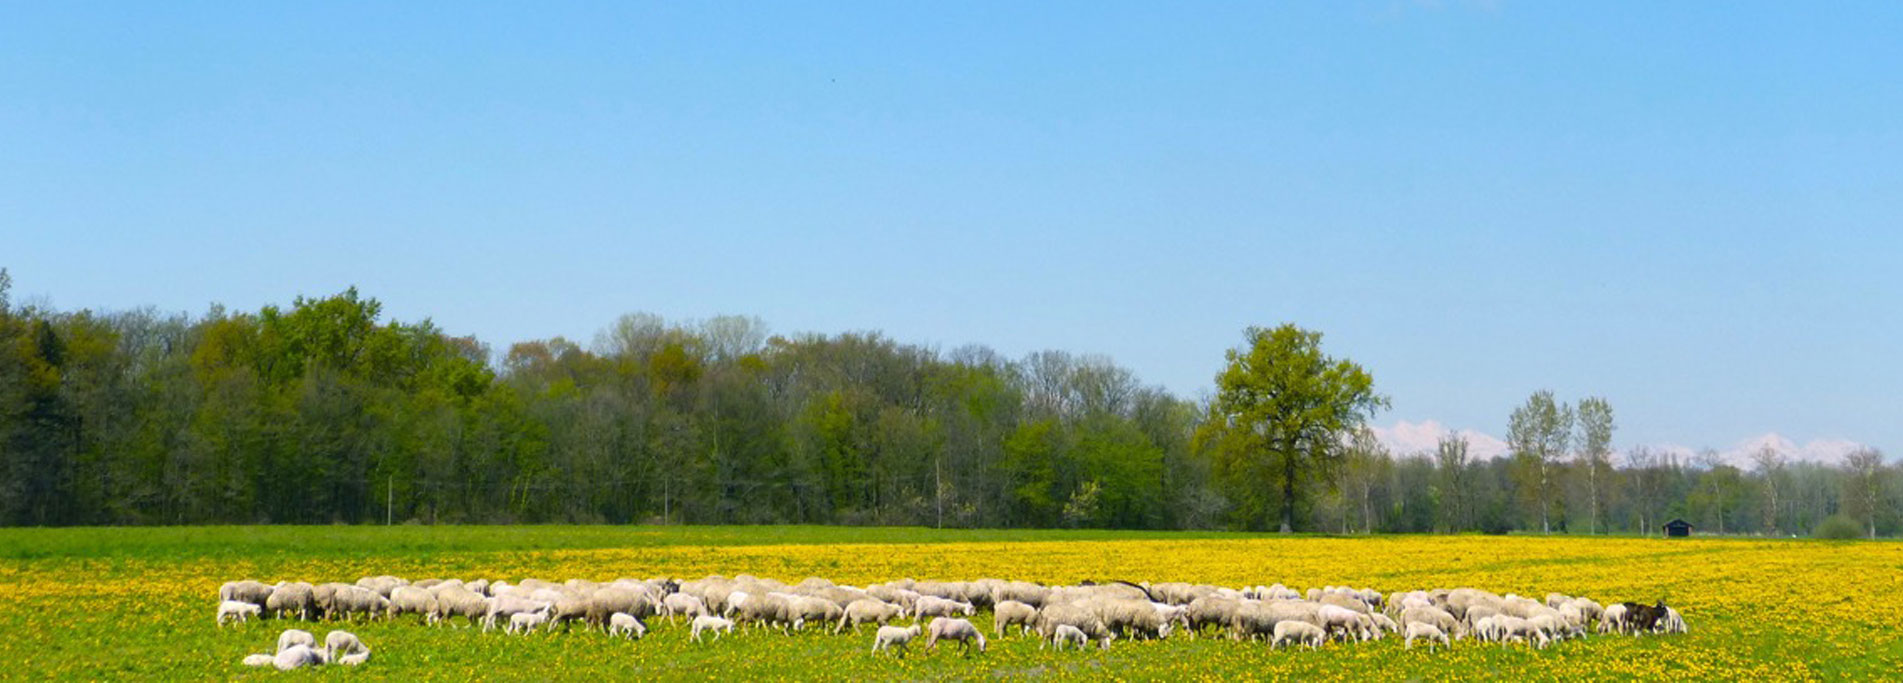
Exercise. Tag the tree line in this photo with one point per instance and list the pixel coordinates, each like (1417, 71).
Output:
(325, 412)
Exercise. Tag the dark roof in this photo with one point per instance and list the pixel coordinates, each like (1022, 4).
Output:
(1678, 522)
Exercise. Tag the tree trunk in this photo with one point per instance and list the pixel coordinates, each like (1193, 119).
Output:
(1288, 493)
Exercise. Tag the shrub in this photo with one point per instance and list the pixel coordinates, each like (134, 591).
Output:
(1839, 527)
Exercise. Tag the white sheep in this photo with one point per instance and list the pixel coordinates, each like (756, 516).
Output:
(947, 628)
(1673, 623)
(931, 606)
(1010, 612)
(260, 659)
(682, 605)
(1613, 621)
(298, 657)
(709, 622)
(894, 637)
(1067, 633)
(1425, 631)
(626, 625)
(1298, 632)
(343, 642)
(354, 658)
(293, 636)
(233, 610)
(526, 622)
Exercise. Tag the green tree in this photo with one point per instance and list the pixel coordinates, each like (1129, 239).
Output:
(1538, 433)
(1281, 410)
(1594, 416)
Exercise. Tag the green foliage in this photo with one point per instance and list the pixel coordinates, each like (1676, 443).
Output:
(1280, 412)
(1838, 528)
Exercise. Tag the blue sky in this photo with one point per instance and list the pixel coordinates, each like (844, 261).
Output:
(1691, 209)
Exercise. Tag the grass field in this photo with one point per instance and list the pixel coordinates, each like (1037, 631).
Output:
(138, 603)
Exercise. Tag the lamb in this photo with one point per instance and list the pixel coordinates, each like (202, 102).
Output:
(709, 622)
(233, 610)
(947, 628)
(626, 625)
(293, 637)
(1440, 618)
(1068, 634)
(1426, 632)
(1076, 616)
(294, 596)
(343, 641)
(1258, 619)
(866, 610)
(1383, 624)
(297, 657)
(931, 606)
(1298, 632)
(508, 606)
(526, 622)
(1008, 612)
(1613, 620)
(891, 637)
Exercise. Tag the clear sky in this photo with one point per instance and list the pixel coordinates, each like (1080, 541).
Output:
(1692, 209)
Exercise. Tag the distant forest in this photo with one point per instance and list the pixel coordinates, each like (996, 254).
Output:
(324, 412)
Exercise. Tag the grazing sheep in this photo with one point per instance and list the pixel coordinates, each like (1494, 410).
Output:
(626, 625)
(1075, 616)
(1008, 612)
(1614, 619)
(932, 606)
(815, 610)
(457, 601)
(1258, 619)
(1341, 622)
(1068, 634)
(947, 628)
(352, 601)
(1425, 631)
(526, 622)
(259, 659)
(1673, 623)
(639, 602)
(233, 610)
(293, 637)
(413, 600)
(342, 641)
(1383, 624)
(1440, 619)
(866, 610)
(245, 591)
(508, 606)
(324, 595)
(1208, 611)
(1298, 632)
(299, 656)
(292, 596)
(682, 605)
(709, 622)
(354, 658)
(893, 637)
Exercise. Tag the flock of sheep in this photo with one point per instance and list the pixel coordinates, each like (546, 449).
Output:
(1060, 616)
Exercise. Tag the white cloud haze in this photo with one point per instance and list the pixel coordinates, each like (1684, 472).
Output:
(1404, 437)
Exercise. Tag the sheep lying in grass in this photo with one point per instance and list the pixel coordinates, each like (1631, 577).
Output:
(233, 610)
(709, 622)
(893, 637)
(299, 656)
(1424, 631)
(625, 625)
(293, 637)
(1297, 632)
(260, 659)
(947, 628)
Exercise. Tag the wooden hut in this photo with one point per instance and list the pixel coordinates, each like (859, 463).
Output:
(1678, 528)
